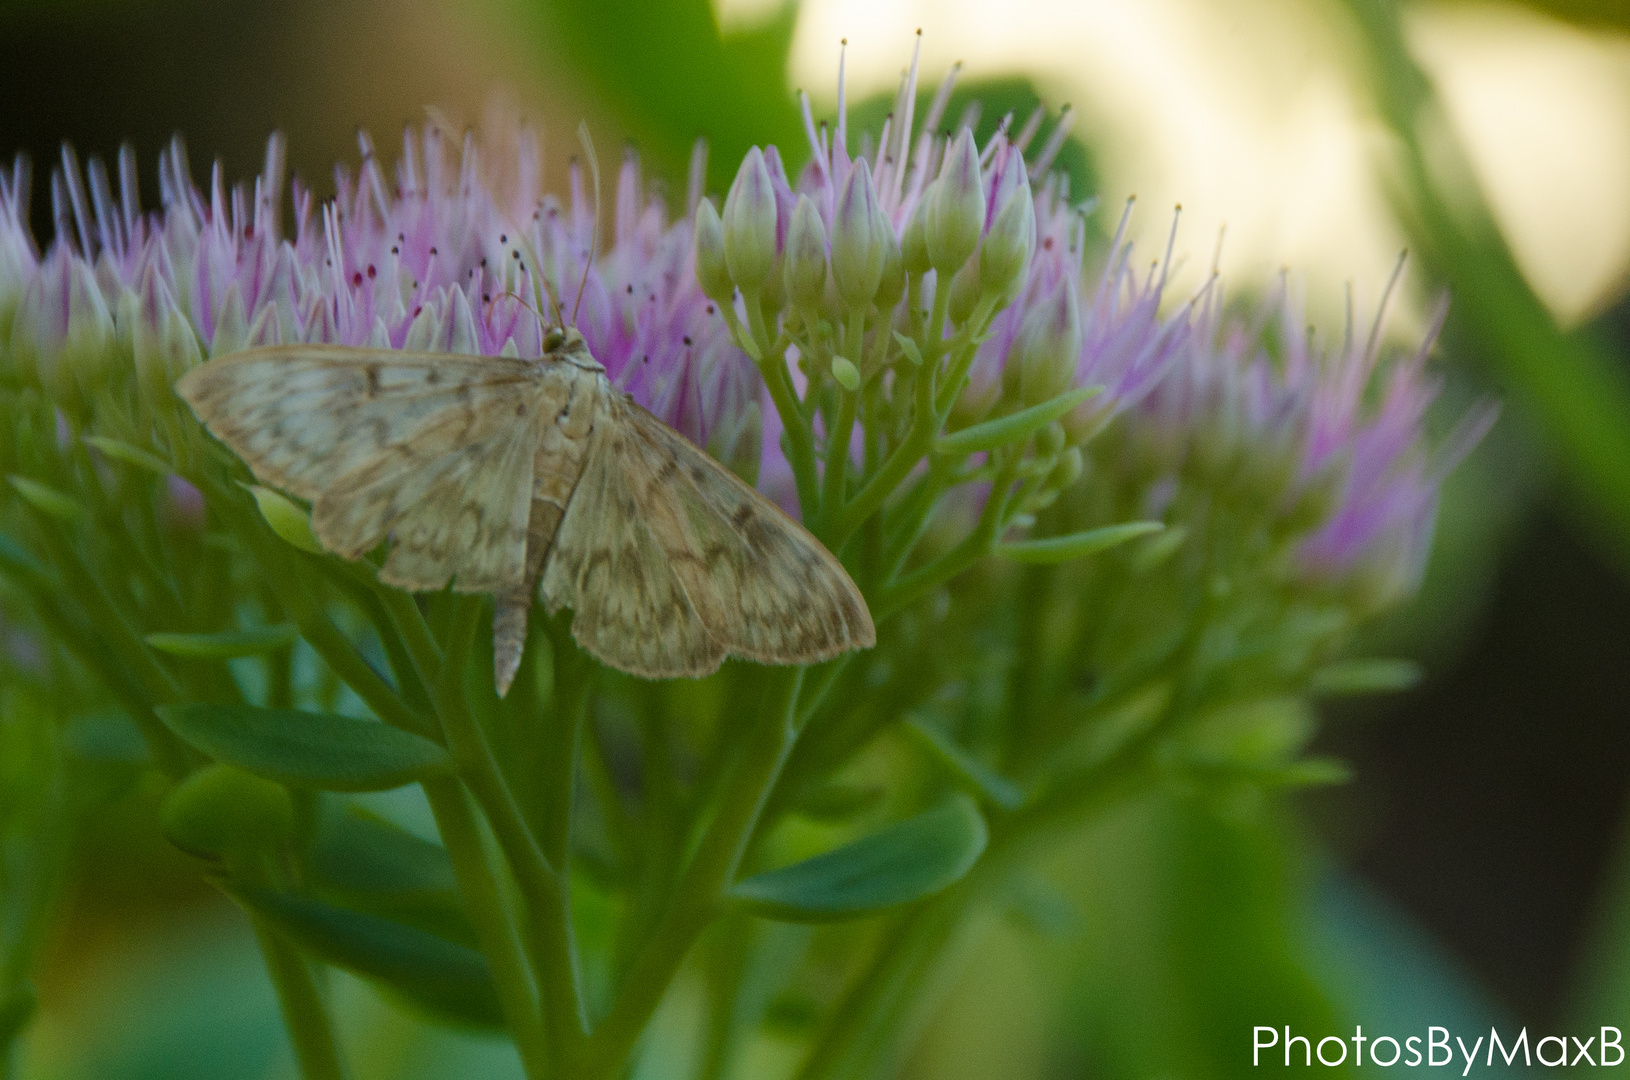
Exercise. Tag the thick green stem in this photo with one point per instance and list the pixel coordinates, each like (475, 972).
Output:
(495, 930)
(704, 882)
(479, 767)
(316, 1051)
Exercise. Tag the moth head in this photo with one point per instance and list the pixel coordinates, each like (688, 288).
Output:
(566, 343)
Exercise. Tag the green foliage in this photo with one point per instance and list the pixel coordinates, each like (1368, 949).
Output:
(317, 750)
(449, 979)
(733, 92)
(901, 864)
(227, 645)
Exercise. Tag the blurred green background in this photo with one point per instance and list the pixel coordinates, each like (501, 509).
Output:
(1477, 869)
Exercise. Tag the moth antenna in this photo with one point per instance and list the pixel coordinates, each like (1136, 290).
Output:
(594, 232)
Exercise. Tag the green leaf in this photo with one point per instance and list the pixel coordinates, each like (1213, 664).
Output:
(1010, 429)
(313, 750)
(1057, 549)
(46, 499)
(909, 347)
(226, 645)
(441, 976)
(971, 774)
(130, 455)
(908, 861)
(1366, 677)
(370, 865)
(21, 563)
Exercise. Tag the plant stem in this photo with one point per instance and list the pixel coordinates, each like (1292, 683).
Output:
(705, 881)
(478, 766)
(315, 1049)
(495, 930)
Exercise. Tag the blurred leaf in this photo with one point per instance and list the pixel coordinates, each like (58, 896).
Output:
(46, 499)
(314, 750)
(130, 455)
(373, 866)
(1010, 429)
(904, 862)
(838, 801)
(1057, 549)
(971, 774)
(445, 978)
(226, 645)
(1365, 677)
(672, 76)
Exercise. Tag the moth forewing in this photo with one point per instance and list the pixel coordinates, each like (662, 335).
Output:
(493, 474)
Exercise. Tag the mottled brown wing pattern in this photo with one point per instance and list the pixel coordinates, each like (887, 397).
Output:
(670, 562)
(436, 450)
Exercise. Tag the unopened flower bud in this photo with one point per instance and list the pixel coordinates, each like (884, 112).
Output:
(845, 372)
(1004, 257)
(892, 286)
(1048, 347)
(288, 521)
(1068, 470)
(805, 257)
(955, 208)
(738, 441)
(163, 342)
(749, 225)
(858, 248)
(913, 245)
(964, 293)
(712, 271)
(224, 810)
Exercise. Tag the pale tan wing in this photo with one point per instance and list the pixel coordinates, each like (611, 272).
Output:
(303, 416)
(609, 565)
(434, 450)
(663, 544)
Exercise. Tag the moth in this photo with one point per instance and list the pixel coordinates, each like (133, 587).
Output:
(517, 477)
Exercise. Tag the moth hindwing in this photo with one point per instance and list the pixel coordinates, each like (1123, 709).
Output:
(496, 475)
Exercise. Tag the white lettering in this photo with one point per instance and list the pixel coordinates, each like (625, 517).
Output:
(1257, 1045)
(1308, 1047)
(1539, 1051)
(1584, 1050)
(1375, 1050)
(1471, 1058)
(1338, 1041)
(1434, 1044)
(1358, 1043)
(1521, 1043)
(1414, 1044)
(1617, 1044)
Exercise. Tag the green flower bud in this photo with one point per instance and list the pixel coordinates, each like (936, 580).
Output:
(749, 225)
(955, 208)
(858, 248)
(223, 810)
(163, 343)
(738, 441)
(1005, 255)
(712, 271)
(1068, 470)
(805, 258)
(1047, 349)
(288, 521)
(845, 372)
(892, 286)
(913, 245)
(964, 292)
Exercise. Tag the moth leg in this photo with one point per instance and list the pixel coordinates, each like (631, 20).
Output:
(512, 606)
